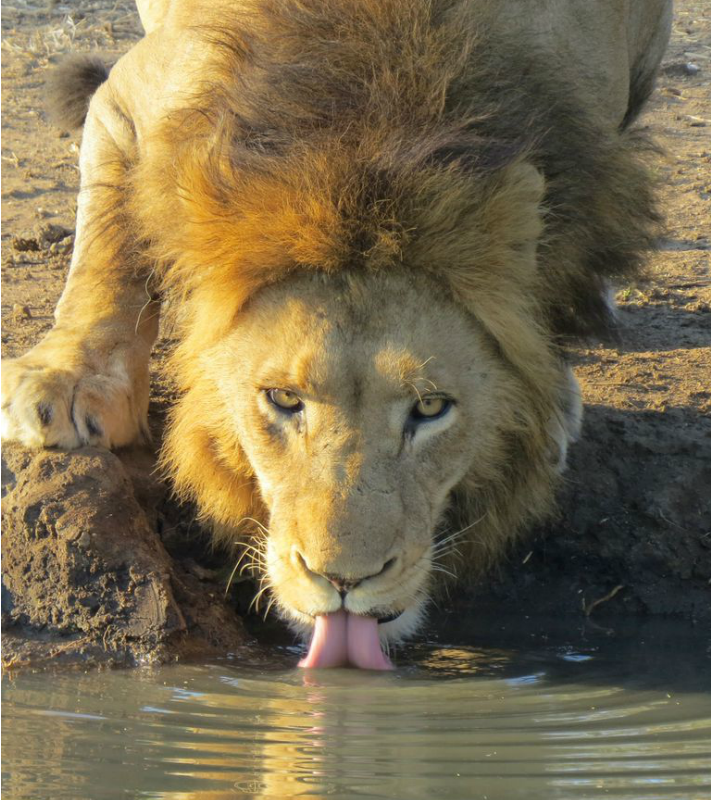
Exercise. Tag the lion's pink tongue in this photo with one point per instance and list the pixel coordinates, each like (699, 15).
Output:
(342, 638)
(329, 644)
(364, 649)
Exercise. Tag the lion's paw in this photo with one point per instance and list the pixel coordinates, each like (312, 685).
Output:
(43, 406)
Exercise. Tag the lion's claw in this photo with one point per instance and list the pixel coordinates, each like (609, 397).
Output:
(46, 407)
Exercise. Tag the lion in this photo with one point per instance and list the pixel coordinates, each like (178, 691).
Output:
(376, 223)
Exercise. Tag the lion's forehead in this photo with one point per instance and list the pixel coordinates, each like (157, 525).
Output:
(321, 343)
(331, 366)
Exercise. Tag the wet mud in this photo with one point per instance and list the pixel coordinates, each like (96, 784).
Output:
(86, 576)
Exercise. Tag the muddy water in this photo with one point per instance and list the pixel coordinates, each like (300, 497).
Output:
(519, 715)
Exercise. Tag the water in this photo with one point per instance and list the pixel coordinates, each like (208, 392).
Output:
(520, 715)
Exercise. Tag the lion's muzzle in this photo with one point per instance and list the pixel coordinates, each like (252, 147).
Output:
(343, 638)
(351, 618)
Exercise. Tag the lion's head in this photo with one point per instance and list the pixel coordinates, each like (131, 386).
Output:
(348, 408)
(359, 406)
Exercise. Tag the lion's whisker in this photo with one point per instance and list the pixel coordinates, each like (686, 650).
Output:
(232, 576)
(255, 600)
(263, 529)
(439, 548)
(253, 553)
(271, 602)
(445, 549)
(443, 570)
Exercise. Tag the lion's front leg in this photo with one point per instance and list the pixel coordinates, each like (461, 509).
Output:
(74, 389)
(87, 381)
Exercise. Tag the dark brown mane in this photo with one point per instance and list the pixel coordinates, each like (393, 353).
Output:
(352, 120)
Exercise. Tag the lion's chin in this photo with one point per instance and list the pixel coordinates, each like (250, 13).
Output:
(342, 639)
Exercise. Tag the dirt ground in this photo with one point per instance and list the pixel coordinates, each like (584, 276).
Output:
(635, 526)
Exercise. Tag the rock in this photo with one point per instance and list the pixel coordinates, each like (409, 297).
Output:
(22, 245)
(696, 122)
(20, 312)
(85, 575)
(681, 68)
(49, 234)
(62, 247)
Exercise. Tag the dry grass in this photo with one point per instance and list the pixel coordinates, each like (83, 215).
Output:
(59, 29)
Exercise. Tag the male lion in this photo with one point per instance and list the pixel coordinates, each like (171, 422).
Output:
(377, 219)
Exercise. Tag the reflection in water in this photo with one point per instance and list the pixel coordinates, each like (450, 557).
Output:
(554, 722)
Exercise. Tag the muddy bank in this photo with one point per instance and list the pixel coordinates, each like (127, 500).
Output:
(633, 534)
(86, 577)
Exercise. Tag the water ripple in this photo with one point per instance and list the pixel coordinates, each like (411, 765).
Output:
(453, 722)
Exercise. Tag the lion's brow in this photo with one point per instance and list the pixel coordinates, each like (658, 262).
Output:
(299, 376)
(293, 382)
(412, 375)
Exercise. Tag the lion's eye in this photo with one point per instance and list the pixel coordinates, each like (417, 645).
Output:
(431, 408)
(285, 400)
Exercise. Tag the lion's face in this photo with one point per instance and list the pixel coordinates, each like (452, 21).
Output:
(360, 404)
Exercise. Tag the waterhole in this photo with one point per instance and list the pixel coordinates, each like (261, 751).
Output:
(519, 714)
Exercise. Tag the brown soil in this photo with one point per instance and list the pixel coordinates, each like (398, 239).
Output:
(85, 575)
(86, 570)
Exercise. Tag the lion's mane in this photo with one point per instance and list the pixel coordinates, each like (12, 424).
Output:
(379, 134)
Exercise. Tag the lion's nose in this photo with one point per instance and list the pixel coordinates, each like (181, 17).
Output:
(342, 584)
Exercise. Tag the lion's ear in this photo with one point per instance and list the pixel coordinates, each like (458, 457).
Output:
(480, 234)
(482, 241)
(512, 214)
(477, 230)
